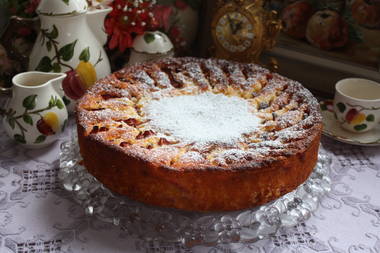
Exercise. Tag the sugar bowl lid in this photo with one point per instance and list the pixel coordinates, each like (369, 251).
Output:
(152, 43)
(62, 7)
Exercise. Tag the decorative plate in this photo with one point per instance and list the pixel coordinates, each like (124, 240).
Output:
(191, 228)
(332, 129)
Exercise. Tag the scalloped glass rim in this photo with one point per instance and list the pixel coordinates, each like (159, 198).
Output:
(191, 228)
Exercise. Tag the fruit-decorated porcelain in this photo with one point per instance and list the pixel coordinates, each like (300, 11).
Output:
(150, 46)
(71, 40)
(332, 129)
(357, 104)
(36, 114)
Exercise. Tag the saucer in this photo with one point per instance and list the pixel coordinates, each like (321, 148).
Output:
(332, 129)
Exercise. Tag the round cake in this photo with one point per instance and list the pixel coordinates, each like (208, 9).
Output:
(199, 134)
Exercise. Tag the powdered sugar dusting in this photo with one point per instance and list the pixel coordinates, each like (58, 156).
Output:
(204, 118)
(170, 98)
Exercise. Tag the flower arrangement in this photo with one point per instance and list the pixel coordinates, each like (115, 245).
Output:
(127, 20)
(130, 18)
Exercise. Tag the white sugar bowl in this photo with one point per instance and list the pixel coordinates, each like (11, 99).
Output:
(150, 46)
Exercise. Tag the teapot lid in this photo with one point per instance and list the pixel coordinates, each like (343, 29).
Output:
(62, 7)
(152, 43)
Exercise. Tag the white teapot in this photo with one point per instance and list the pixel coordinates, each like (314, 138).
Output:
(71, 40)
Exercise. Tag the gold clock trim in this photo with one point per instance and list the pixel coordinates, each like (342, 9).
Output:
(257, 30)
(265, 27)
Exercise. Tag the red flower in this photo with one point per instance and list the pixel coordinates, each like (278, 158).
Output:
(126, 20)
(180, 4)
(162, 14)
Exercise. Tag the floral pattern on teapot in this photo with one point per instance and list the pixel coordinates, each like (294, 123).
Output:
(79, 79)
(71, 40)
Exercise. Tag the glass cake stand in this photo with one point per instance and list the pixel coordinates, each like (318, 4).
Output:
(151, 223)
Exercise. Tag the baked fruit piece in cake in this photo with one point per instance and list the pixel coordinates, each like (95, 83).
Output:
(199, 134)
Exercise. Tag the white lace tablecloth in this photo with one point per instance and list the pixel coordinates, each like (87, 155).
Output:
(36, 215)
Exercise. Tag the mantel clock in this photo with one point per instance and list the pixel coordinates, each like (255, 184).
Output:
(242, 29)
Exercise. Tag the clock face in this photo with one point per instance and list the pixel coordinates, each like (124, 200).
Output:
(234, 32)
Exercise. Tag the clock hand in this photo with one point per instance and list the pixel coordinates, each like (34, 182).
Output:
(230, 23)
(238, 26)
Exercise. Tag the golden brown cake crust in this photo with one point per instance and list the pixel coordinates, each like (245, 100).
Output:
(122, 151)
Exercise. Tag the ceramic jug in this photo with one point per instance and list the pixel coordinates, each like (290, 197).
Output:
(71, 40)
(35, 114)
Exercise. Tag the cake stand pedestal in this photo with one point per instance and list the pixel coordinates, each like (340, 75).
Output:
(191, 228)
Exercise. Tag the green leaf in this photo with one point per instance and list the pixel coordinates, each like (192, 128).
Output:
(360, 127)
(67, 51)
(341, 107)
(11, 123)
(66, 2)
(40, 139)
(54, 33)
(52, 102)
(370, 118)
(85, 54)
(29, 102)
(44, 64)
(19, 138)
(149, 37)
(28, 119)
(56, 67)
(66, 100)
(59, 104)
(48, 45)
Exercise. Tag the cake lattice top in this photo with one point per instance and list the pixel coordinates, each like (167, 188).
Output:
(208, 113)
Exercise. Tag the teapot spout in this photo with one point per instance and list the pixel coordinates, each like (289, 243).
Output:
(95, 20)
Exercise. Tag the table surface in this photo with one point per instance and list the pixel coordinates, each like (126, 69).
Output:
(36, 215)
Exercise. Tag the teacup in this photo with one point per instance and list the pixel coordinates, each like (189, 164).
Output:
(357, 104)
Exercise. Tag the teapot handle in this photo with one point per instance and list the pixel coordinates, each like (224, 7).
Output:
(9, 37)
